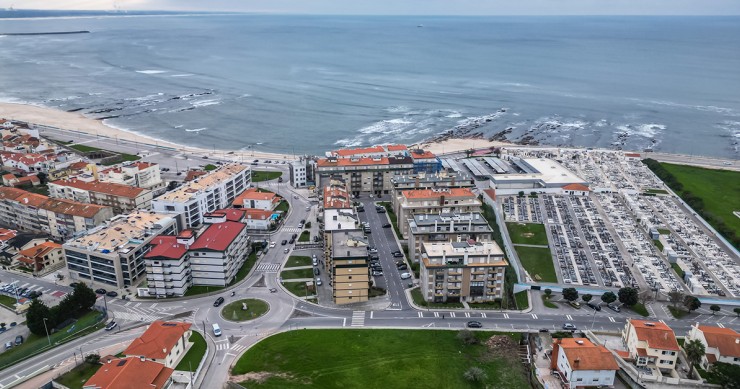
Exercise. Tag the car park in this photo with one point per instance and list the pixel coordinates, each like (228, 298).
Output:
(218, 301)
(474, 324)
(405, 276)
(110, 326)
(569, 326)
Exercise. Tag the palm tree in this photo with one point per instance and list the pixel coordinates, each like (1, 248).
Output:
(737, 311)
(694, 352)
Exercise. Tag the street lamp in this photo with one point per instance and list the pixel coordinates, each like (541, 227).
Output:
(47, 332)
(593, 320)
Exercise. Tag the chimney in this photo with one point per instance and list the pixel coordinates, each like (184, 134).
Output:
(737, 340)
(142, 358)
(576, 362)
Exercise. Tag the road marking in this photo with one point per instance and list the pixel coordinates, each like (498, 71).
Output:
(137, 304)
(153, 305)
(467, 314)
(371, 314)
(436, 314)
(268, 267)
(358, 319)
(24, 285)
(662, 321)
(452, 314)
(612, 319)
(534, 316)
(720, 325)
(506, 315)
(569, 317)
(420, 314)
(128, 303)
(483, 315)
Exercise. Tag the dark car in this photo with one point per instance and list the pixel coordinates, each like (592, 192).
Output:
(544, 330)
(294, 236)
(18, 340)
(613, 308)
(35, 294)
(218, 301)
(381, 210)
(475, 324)
(402, 267)
(111, 294)
(594, 306)
(316, 271)
(101, 291)
(284, 242)
(386, 225)
(398, 254)
(291, 241)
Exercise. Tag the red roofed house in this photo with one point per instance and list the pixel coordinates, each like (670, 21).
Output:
(165, 342)
(581, 363)
(252, 198)
(127, 373)
(576, 190)
(217, 254)
(123, 198)
(652, 344)
(440, 200)
(258, 219)
(168, 264)
(31, 162)
(6, 236)
(40, 257)
(255, 219)
(721, 344)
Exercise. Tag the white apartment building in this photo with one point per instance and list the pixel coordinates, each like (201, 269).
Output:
(140, 174)
(122, 198)
(436, 201)
(217, 254)
(168, 270)
(582, 364)
(205, 194)
(298, 174)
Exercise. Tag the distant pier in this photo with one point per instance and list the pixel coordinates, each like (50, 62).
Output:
(44, 33)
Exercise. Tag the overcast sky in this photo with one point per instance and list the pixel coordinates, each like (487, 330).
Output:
(405, 7)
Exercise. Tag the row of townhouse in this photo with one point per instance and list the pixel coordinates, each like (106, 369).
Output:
(122, 198)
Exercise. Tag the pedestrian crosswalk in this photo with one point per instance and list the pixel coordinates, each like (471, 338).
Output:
(135, 311)
(720, 325)
(569, 317)
(358, 319)
(291, 229)
(222, 345)
(238, 348)
(611, 319)
(268, 267)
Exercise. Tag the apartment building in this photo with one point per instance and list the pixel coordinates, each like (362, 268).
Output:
(721, 344)
(462, 271)
(652, 345)
(425, 161)
(164, 342)
(581, 364)
(435, 201)
(366, 170)
(298, 174)
(216, 190)
(139, 174)
(446, 227)
(349, 266)
(423, 180)
(336, 195)
(113, 254)
(218, 252)
(122, 198)
(61, 219)
(167, 264)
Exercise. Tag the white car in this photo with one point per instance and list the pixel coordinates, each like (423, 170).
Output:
(272, 244)
(405, 276)
(318, 281)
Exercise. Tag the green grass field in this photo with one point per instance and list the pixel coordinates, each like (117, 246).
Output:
(7, 301)
(527, 233)
(85, 148)
(261, 175)
(297, 288)
(719, 189)
(350, 359)
(283, 206)
(538, 262)
(191, 360)
(305, 236)
(548, 303)
(296, 273)
(298, 260)
(522, 301)
(75, 378)
(419, 300)
(255, 309)
(640, 310)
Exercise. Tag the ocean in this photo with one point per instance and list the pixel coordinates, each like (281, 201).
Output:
(308, 84)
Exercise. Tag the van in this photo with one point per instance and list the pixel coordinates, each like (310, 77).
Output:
(216, 330)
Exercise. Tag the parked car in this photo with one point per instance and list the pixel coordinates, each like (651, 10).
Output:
(218, 301)
(318, 281)
(19, 340)
(402, 267)
(291, 241)
(378, 273)
(381, 210)
(284, 242)
(544, 330)
(405, 276)
(569, 326)
(386, 225)
(594, 306)
(287, 250)
(294, 236)
(272, 244)
(398, 254)
(110, 326)
(35, 294)
(101, 291)
(613, 308)
(112, 294)
(316, 271)
(474, 324)
(8, 345)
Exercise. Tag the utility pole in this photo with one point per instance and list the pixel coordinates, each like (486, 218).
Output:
(47, 332)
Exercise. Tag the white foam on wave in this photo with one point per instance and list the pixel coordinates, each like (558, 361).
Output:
(151, 71)
(386, 127)
(706, 108)
(454, 114)
(646, 130)
(181, 75)
(196, 129)
(347, 142)
(205, 103)
(398, 109)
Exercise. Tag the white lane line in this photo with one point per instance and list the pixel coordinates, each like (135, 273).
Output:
(506, 315)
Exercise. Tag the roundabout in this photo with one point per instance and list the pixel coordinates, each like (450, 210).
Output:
(245, 310)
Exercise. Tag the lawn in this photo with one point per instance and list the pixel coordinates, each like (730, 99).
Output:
(124, 157)
(75, 378)
(191, 360)
(298, 260)
(656, 191)
(201, 289)
(527, 233)
(522, 301)
(419, 300)
(718, 189)
(255, 309)
(282, 207)
(379, 359)
(538, 263)
(297, 288)
(84, 148)
(678, 270)
(34, 344)
(261, 175)
(8, 301)
(640, 309)
(305, 236)
(658, 245)
(548, 303)
(677, 312)
(296, 273)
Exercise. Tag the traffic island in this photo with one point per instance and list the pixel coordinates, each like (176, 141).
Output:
(245, 310)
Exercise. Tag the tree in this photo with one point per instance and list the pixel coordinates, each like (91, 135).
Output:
(609, 297)
(475, 374)
(645, 297)
(587, 297)
(627, 296)
(694, 352)
(209, 167)
(37, 312)
(467, 337)
(548, 293)
(737, 311)
(675, 297)
(714, 308)
(727, 374)
(83, 297)
(92, 359)
(570, 294)
(691, 303)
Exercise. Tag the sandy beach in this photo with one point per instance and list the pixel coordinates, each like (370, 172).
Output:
(458, 144)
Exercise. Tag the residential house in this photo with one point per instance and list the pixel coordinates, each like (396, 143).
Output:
(164, 342)
(41, 258)
(581, 364)
(254, 199)
(652, 345)
(721, 344)
(125, 373)
(446, 227)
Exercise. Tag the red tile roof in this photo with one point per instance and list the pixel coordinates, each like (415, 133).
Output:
(109, 188)
(40, 250)
(397, 147)
(726, 340)
(657, 334)
(253, 194)
(218, 237)
(158, 340)
(437, 193)
(166, 246)
(422, 154)
(491, 193)
(257, 214)
(353, 162)
(6, 234)
(632, 155)
(578, 187)
(361, 150)
(193, 174)
(587, 356)
(127, 373)
(233, 214)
